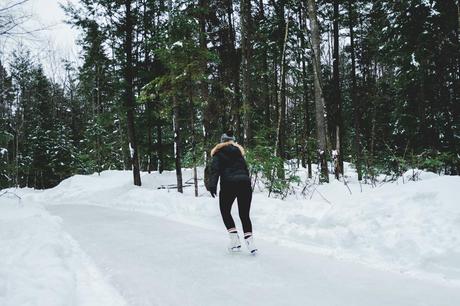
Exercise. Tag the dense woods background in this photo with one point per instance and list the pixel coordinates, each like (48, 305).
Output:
(375, 83)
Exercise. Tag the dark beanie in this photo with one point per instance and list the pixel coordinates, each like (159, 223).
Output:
(228, 136)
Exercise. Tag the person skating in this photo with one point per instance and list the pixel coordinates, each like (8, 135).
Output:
(229, 165)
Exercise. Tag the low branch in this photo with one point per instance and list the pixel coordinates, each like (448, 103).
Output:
(13, 5)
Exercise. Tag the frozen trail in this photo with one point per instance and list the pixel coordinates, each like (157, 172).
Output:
(153, 261)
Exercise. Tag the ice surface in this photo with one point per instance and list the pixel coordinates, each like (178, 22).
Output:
(40, 264)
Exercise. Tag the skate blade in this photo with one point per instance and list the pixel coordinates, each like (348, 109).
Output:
(235, 249)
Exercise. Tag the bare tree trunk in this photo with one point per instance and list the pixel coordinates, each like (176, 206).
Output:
(319, 98)
(207, 115)
(306, 160)
(236, 105)
(265, 82)
(354, 100)
(245, 17)
(148, 28)
(337, 95)
(160, 148)
(281, 126)
(96, 115)
(193, 138)
(148, 108)
(18, 131)
(458, 13)
(176, 126)
(129, 93)
(177, 143)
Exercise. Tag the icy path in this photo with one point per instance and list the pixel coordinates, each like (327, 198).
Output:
(152, 261)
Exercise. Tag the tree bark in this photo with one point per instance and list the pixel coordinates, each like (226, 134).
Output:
(306, 160)
(160, 148)
(129, 92)
(148, 108)
(177, 144)
(148, 24)
(235, 72)
(265, 97)
(245, 17)
(281, 126)
(193, 138)
(337, 95)
(320, 112)
(207, 115)
(354, 100)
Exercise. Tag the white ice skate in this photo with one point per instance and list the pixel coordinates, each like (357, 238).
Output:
(235, 244)
(251, 246)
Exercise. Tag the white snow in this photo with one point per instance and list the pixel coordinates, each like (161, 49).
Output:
(395, 244)
(131, 150)
(414, 61)
(40, 264)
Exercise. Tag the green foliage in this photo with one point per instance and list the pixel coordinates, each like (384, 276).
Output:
(40, 148)
(263, 165)
(190, 159)
(394, 166)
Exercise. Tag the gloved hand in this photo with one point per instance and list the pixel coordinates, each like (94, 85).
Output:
(213, 191)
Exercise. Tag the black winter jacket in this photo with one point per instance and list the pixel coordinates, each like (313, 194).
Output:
(228, 163)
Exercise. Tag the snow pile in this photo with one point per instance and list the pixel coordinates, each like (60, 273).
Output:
(406, 226)
(42, 265)
(412, 227)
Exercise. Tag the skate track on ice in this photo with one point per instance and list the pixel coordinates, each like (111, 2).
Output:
(154, 261)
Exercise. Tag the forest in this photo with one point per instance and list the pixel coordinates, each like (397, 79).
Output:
(311, 83)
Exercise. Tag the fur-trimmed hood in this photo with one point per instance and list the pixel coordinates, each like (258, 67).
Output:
(219, 146)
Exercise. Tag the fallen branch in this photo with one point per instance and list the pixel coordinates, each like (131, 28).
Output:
(6, 192)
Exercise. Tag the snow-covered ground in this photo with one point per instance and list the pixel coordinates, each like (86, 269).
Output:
(103, 241)
(40, 264)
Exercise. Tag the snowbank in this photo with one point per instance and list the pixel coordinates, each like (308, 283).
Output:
(410, 227)
(42, 265)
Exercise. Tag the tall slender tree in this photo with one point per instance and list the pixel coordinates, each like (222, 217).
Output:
(281, 91)
(354, 99)
(337, 97)
(320, 112)
(306, 159)
(128, 75)
(246, 50)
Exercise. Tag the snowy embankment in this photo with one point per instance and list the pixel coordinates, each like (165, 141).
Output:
(410, 227)
(40, 264)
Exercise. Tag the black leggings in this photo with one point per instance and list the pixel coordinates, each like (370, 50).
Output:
(242, 191)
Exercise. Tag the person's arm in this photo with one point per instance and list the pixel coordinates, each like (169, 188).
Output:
(214, 175)
(246, 166)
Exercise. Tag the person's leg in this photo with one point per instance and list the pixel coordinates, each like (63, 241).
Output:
(226, 197)
(244, 195)
(244, 206)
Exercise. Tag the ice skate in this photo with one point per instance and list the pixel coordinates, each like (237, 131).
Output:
(235, 244)
(250, 244)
